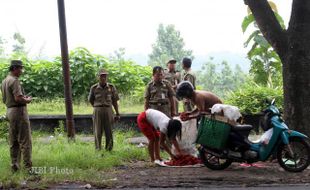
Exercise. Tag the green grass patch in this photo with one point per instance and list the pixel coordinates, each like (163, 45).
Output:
(58, 160)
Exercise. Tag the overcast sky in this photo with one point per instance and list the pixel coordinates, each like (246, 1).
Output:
(105, 25)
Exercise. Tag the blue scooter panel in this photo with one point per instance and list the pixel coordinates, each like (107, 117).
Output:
(291, 133)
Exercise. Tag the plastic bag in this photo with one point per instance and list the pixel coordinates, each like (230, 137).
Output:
(231, 112)
(265, 138)
(187, 143)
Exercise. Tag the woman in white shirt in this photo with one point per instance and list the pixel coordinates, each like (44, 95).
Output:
(155, 125)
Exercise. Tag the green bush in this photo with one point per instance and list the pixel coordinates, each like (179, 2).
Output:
(44, 78)
(84, 67)
(251, 98)
(128, 76)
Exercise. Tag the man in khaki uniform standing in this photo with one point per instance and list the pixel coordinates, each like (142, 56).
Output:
(189, 76)
(159, 94)
(102, 97)
(173, 77)
(13, 96)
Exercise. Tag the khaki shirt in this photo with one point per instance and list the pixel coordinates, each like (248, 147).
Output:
(189, 76)
(172, 77)
(10, 88)
(103, 96)
(159, 92)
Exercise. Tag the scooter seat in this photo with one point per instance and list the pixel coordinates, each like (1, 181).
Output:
(242, 127)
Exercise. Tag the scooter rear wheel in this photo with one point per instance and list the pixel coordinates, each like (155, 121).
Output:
(213, 162)
(300, 159)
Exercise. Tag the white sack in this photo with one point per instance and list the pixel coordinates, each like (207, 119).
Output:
(231, 112)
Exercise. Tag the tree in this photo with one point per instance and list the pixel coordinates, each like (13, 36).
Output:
(169, 44)
(207, 77)
(19, 49)
(19, 46)
(2, 48)
(293, 47)
(239, 77)
(220, 78)
(266, 66)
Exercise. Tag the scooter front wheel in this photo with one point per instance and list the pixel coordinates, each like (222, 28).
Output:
(212, 161)
(294, 157)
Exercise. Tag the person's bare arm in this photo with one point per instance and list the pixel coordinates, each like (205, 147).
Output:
(194, 114)
(177, 147)
(164, 144)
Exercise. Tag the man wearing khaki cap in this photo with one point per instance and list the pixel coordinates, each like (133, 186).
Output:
(174, 77)
(102, 97)
(159, 94)
(189, 76)
(13, 96)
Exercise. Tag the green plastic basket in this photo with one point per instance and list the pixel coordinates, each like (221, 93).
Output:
(213, 133)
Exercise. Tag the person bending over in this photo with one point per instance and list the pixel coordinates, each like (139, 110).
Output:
(157, 127)
(203, 100)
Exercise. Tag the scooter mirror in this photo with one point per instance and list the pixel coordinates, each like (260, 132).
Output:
(273, 101)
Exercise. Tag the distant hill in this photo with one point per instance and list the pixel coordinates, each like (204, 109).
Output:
(230, 57)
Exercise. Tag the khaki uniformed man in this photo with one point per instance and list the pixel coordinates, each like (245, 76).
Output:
(188, 75)
(159, 94)
(102, 97)
(13, 96)
(173, 77)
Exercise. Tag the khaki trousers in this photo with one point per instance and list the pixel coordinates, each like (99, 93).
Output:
(102, 122)
(19, 136)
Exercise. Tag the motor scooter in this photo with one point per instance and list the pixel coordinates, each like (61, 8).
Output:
(291, 148)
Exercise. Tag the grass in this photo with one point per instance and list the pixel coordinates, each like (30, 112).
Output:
(59, 160)
(57, 107)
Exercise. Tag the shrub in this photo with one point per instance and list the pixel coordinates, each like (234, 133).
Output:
(44, 79)
(251, 98)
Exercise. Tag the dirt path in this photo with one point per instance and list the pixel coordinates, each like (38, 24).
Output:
(139, 176)
(145, 175)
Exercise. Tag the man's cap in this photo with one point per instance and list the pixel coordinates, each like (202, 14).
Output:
(16, 63)
(157, 69)
(172, 61)
(187, 60)
(102, 72)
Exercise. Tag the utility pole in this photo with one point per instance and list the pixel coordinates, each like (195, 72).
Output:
(66, 68)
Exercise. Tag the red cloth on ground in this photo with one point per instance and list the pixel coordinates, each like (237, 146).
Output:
(184, 160)
(147, 129)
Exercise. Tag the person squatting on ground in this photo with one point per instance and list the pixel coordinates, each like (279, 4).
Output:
(156, 126)
(13, 96)
(102, 97)
(203, 100)
(159, 94)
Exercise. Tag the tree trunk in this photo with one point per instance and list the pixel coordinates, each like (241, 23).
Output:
(293, 47)
(296, 69)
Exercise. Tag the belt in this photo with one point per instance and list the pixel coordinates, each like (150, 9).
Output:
(102, 106)
(158, 103)
(17, 106)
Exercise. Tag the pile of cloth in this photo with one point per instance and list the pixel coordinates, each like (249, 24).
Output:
(184, 160)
